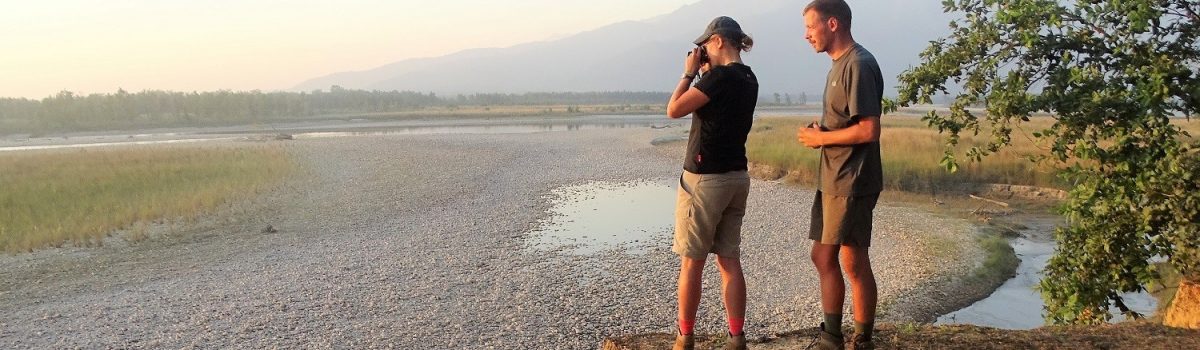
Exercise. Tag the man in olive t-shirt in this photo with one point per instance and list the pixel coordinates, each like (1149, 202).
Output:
(850, 175)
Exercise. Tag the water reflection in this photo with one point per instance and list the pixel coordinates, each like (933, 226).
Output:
(604, 215)
(105, 144)
(478, 129)
(333, 130)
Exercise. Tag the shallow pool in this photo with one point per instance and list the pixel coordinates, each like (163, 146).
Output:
(598, 216)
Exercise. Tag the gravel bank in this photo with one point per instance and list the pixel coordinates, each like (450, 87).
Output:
(419, 242)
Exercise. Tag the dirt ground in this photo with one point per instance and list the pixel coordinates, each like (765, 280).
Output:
(1126, 335)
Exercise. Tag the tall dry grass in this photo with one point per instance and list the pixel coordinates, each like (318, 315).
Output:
(48, 198)
(1191, 126)
(912, 152)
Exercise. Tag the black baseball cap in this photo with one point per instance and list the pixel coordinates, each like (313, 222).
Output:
(723, 25)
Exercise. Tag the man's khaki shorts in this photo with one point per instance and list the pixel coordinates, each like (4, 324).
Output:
(708, 214)
(842, 220)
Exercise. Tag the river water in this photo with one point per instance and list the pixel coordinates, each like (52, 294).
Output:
(1016, 304)
(302, 130)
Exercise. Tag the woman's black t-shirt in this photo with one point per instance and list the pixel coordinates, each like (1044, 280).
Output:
(717, 142)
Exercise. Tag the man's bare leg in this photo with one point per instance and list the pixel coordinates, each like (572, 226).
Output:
(833, 287)
(865, 295)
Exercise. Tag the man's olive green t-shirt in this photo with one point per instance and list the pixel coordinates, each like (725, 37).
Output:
(853, 90)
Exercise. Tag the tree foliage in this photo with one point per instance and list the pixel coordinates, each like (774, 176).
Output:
(1112, 73)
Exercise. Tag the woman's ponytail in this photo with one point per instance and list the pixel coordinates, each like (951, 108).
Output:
(746, 43)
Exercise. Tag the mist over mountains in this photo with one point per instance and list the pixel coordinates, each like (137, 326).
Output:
(647, 55)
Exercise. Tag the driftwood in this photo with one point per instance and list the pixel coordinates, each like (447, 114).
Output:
(996, 202)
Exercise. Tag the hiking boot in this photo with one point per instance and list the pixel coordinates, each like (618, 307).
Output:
(736, 342)
(828, 341)
(684, 342)
(862, 343)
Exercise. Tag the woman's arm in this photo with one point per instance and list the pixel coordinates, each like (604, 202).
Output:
(687, 99)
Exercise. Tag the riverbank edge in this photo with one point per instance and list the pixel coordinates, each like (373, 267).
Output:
(1125, 335)
(917, 307)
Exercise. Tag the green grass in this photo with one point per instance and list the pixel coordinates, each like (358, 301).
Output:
(941, 247)
(1004, 228)
(49, 198)
(1001, 261)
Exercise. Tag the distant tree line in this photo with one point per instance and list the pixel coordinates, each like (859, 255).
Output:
(561, 98)
(787, 99)
(155, 108)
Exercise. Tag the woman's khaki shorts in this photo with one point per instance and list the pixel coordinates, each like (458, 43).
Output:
(842, 220)
(708, 214)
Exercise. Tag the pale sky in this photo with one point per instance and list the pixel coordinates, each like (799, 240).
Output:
(92, 46)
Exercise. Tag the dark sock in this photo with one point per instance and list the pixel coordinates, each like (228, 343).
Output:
(833, 324)
(864, 330)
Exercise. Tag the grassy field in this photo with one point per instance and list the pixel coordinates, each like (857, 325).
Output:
(912, 152)
(50, 198)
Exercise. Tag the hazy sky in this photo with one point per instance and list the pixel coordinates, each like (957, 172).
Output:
(93, 46)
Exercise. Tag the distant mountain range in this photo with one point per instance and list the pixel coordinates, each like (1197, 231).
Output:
(647, 55)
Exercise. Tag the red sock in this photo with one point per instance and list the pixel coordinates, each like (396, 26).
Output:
(685, 326)
(735, 325)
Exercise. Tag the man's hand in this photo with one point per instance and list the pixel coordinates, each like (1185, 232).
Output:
(810, 136)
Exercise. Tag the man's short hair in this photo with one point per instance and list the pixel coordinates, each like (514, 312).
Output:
(831, 8)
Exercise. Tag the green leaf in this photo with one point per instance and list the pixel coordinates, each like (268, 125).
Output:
(949, 164)
(1099, 69)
